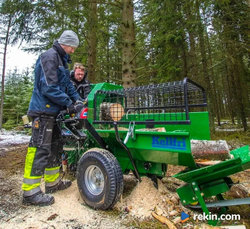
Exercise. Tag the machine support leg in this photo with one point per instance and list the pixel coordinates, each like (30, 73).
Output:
(202, 203)
(129, 153)
(95, 135)
(223, 210)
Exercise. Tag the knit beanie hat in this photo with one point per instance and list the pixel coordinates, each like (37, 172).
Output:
(69, 38)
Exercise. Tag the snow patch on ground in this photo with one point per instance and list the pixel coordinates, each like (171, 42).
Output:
(229, 130)
(12, 138)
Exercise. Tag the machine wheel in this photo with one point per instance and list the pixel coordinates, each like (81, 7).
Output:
(99, 179)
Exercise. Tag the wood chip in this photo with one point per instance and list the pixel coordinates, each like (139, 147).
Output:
(174, 199)
(52, 217)
(177, 220)
(173, 213)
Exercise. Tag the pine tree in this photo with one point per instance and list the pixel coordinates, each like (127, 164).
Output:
(6, 43)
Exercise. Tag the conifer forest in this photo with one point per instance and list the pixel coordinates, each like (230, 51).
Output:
(135, 43)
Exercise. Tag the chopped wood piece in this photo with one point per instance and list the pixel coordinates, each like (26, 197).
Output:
(164, 220)
(238, 191)
(111, 111)
(120, 128)
(210, 150)
(204, 162)
(158, 210)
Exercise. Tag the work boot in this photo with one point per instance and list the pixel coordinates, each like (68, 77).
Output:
(39, 199)
(61, 185)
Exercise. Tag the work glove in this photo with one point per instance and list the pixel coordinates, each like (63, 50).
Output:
(79, 106)
(81, 101)
(71, 109)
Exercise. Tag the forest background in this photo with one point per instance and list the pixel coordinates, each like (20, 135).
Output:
(136, 43)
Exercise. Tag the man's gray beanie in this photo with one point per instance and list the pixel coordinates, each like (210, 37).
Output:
(69, 38)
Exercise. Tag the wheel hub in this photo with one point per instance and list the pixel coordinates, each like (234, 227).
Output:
(94, 180)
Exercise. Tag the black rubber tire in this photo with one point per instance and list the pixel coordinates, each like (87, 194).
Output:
(113, 178)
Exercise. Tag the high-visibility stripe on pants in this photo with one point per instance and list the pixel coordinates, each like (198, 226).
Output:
(31, 184)
(51, 176)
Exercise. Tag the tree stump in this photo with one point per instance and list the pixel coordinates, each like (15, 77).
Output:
(111, 112)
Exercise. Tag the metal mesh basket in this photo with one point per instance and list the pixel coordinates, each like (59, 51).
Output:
(167, 103)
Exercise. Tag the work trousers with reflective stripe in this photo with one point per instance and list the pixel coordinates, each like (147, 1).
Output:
(43, 155)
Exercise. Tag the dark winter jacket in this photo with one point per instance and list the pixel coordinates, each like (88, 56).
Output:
(82, 87)
(53, 90)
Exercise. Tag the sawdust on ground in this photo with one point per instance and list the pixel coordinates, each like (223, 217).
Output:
(68, 211)
(145, 197)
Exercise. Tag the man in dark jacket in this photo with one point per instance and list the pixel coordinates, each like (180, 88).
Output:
(79, 79)
(53, 91)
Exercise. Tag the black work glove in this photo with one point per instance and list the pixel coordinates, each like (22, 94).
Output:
(81, 101)
(79, 106)
(71, 109)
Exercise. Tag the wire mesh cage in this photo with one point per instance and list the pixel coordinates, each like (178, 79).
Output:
(167, 103)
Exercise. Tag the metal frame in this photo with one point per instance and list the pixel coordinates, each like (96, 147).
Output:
(185, 87)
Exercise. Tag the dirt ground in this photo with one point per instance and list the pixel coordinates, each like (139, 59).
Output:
(133, 211)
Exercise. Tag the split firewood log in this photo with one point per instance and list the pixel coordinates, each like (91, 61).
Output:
(157, 129)
(205, 162)
(111, 111)
(210, 150)
(164, 220)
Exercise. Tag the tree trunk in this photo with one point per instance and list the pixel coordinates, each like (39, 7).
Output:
(192, 64)
(205, 72)
(108, 56)
(184, 59)
(128, 44)
(240, 100)
(214, 86)
(92, 41)
(3, 71)
(228, 90)
(193, 59)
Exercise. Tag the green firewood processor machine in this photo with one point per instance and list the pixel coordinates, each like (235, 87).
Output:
(143, 129)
